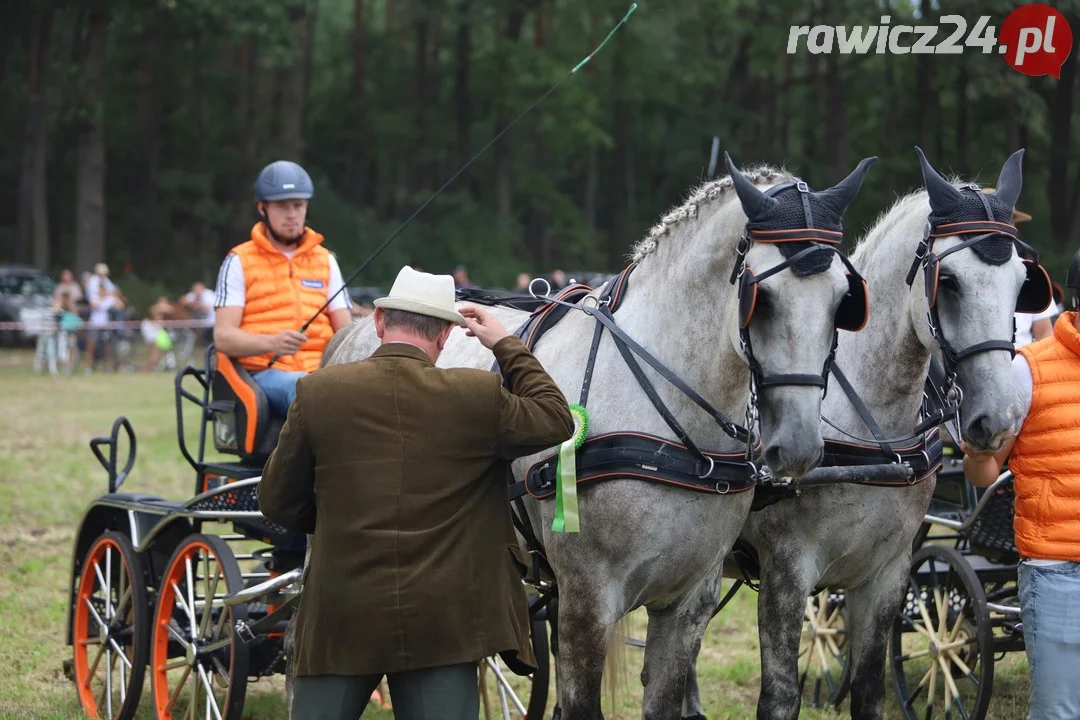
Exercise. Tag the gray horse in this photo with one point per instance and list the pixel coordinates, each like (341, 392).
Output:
(651, 544)
(859, 537)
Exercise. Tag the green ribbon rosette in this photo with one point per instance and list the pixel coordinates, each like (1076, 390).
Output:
(566, 501)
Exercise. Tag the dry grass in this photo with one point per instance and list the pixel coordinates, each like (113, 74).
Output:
(48, 476)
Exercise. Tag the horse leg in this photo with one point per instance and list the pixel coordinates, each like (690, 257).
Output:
(586, 618)
(781, 609)
(871, 610)
(671, 648)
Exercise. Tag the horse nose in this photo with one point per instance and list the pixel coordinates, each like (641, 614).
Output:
(783, 462)
(982, 432)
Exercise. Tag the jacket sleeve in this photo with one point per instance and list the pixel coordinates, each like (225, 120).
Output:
(287, 490)
(533, 415)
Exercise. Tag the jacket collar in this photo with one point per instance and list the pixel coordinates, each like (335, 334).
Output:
(308, 241)
(402, 349)
(1065, 331)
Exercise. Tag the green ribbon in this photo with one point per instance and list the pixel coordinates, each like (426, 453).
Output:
(566, 518)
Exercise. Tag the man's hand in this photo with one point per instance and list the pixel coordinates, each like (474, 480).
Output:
(286, 342)
(483, 325)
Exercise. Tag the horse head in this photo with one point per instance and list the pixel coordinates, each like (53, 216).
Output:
(796, 289)
(973, 280)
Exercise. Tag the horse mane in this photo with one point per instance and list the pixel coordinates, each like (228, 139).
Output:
(890, 217)
(702, 194)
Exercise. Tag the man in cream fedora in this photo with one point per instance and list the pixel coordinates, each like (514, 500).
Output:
(398, 469)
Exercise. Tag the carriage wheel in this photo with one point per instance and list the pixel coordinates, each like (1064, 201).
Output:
(199, 663)
(942, 641)
(111, 629)
(823, 666)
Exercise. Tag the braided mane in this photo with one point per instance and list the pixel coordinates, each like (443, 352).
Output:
(702, 194)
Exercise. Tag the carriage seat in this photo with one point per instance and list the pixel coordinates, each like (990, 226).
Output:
(243, 422)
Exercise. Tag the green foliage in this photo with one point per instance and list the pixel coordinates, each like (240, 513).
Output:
(196, 98)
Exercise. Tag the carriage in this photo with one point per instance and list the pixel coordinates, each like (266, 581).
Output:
(960, 610)
(200, 592)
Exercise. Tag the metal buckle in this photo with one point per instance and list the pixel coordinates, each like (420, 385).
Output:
(244, 632)
(726, 490)
(801, 186)
(712, 466)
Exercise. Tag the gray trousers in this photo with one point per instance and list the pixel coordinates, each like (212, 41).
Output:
(448, 692)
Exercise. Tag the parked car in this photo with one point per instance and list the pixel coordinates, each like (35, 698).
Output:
(25, 297)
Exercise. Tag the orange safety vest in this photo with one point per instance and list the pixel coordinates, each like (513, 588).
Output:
(1045, 460)
(282, 293)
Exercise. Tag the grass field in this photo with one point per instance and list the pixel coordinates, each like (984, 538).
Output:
(48, 477)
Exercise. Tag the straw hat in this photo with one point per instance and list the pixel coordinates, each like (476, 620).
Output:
(423, 293)
(1018, 215)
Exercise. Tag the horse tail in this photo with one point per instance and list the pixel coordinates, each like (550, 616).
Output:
(615, 664)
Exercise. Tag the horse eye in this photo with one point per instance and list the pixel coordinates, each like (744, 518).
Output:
(948, 282)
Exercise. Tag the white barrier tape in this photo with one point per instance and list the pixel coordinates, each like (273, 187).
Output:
(118, 325)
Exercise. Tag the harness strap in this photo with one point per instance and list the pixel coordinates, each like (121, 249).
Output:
(864, 412)
(645, 457)
(604, 316)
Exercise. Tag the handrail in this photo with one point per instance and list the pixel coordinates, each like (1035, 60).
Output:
(181, 394)
(970, 521)
(115, 479)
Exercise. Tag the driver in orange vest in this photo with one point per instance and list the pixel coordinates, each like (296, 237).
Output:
(269, 286)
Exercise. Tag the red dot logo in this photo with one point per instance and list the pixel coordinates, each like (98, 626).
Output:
(1036, 39)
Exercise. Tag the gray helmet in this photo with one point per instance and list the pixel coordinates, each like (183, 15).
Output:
(283, 180)
(1072, 278)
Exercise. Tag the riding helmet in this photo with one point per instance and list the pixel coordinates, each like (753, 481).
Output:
(1072, 279)
(283, 180)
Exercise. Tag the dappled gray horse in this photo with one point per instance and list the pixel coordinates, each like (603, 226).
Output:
(648, 543)
(858, 537)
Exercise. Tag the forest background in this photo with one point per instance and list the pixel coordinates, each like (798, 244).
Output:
(136, 127)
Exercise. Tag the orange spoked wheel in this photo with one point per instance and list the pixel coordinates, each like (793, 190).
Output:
(111, 631)
(199, 666)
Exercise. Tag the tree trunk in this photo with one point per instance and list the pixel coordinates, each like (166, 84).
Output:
(924, 100)
(32, 222)
(1062, 192)
(462, 105)
(620, 201)
(418, 154)
(504, 189)
(293, 85)
(359, 156)
(835, 139)
(961, 115)
(150, 130)
(90, 153)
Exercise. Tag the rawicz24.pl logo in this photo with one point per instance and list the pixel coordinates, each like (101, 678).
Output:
(1035, 39)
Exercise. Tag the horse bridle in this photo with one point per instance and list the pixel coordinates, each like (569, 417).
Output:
(930, 262)
(851, 315)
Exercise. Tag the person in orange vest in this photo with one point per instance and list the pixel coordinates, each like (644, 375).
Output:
(269, 286)
(1044, 458)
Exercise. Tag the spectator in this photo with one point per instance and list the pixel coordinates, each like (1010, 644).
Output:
(1045, 464)
(200, 306)
(558, 280)
(522, 284)
(461, 278)
(68, 286)
(155, 335)
(102, 296)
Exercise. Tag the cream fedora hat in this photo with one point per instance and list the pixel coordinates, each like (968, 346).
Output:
(423, 293)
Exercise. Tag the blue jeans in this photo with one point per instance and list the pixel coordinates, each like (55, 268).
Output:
(1050, 609)
(280, 388)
